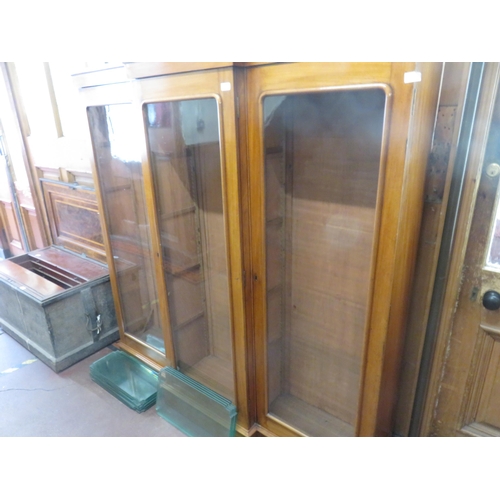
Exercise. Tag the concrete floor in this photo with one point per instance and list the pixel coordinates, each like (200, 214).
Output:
(35, 401)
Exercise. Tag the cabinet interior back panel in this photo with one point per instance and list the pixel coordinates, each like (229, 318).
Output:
(322, 169)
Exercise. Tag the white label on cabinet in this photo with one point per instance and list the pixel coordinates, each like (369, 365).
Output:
(225, 86)
(412, 77)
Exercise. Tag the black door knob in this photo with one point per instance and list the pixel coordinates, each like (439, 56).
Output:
(491, 300)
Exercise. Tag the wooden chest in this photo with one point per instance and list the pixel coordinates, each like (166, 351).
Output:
(54, 301)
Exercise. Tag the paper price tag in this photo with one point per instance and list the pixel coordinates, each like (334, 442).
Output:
(412, 77)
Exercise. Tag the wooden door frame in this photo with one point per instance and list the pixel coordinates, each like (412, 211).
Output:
(18, 137)
(413, 110)
(450, 124)
(6, 238)
(474, 167)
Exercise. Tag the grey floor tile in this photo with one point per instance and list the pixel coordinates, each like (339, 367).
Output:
(35, 401)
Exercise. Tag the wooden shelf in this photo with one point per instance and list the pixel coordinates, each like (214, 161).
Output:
(309, 419)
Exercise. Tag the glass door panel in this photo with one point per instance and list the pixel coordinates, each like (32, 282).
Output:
(184, 152)
(118, 162)
(493, 254)
(322, 167)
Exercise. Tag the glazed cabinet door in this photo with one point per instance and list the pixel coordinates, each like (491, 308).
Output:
(328, 167)
(118, 144)
(192, 177)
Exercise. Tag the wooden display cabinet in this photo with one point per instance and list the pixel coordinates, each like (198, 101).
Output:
(165, 154)
(262, 222)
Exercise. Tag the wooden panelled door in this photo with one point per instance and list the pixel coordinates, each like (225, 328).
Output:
(464, 391)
